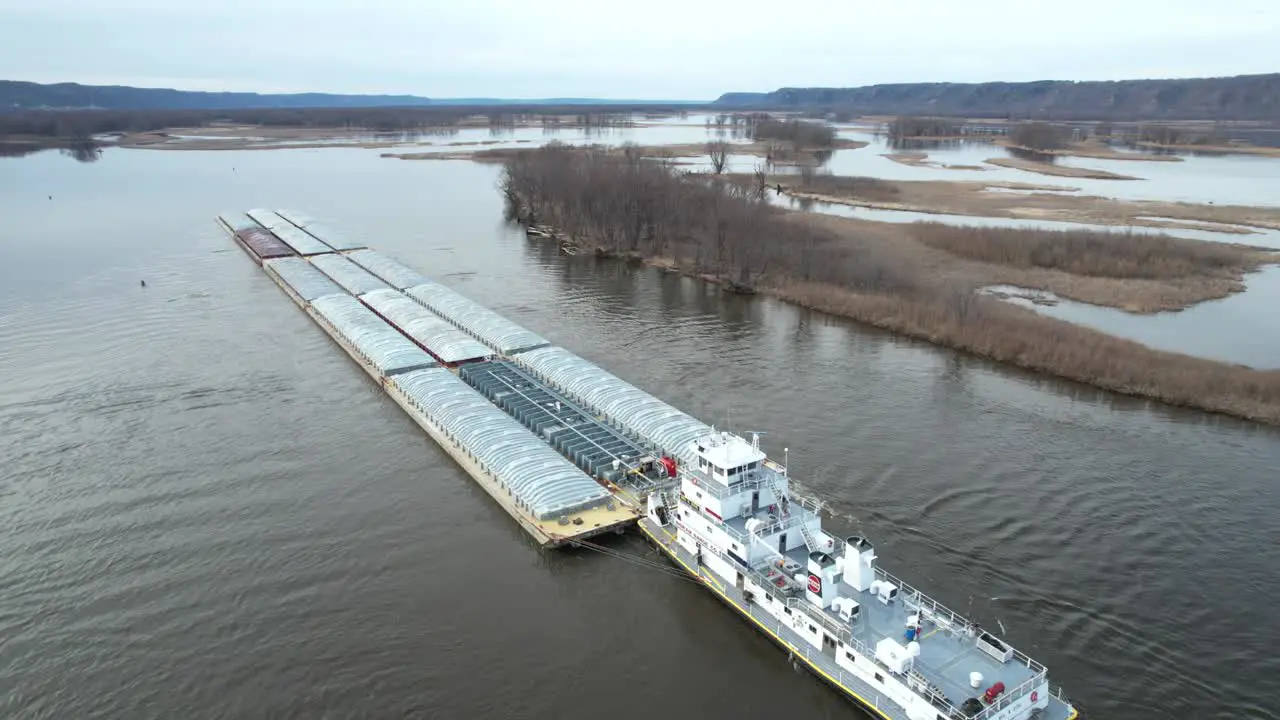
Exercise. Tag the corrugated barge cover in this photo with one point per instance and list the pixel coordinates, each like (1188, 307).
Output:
(622, 403)
(297, 218)
(238, 221)
(333, 238)
(491, 328)
(444, 340)
(354, 278)
(383, 345)
(299, 240)
(540, 478)
(309, 283)
(266, 218)
(395, 273)
(264, 244)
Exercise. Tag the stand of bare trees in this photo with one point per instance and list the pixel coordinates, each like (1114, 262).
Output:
(799, 133)
(77, 123)
(918, 127)
(1039, 136)
(628, 206)
(1169, 135)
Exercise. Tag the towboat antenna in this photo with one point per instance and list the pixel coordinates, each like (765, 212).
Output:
(786, 460)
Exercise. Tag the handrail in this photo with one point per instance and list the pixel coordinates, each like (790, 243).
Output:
(718, 490)
(910, 594)
(841, 633)
(1009, 697)
(956, 619)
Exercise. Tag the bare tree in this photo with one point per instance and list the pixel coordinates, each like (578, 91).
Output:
(719, 152)
(760, 182)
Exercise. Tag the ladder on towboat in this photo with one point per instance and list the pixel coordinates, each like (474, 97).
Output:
(784, 511)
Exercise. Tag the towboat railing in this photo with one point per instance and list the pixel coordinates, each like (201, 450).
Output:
(946, 617)
(717, 490)
(935, 611)
(838, 630)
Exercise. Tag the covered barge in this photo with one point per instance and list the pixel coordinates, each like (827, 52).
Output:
(415, 355)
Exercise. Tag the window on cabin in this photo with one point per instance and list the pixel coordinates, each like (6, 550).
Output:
(879, 678)
(813, 629)
(849, 656)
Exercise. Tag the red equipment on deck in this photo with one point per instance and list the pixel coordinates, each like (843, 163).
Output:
(993, 692)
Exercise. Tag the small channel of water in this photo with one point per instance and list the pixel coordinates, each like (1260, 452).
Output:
(1242, 328)
(1258, 238)
(1223, 180)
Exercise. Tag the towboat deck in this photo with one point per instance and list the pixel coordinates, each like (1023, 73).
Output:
(946, 656)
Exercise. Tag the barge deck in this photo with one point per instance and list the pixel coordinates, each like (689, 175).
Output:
(546, 499)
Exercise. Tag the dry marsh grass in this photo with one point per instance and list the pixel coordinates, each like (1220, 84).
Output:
(1089, 252)
(1045, 168)
(1013, 335)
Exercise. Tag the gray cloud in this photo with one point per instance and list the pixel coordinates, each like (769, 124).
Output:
(678, 49)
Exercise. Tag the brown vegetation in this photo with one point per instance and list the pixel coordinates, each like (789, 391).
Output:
(1095, 148)
(84, 123)
(800, 134)
(718, 151)
(912, 127)
(971, 198)
(993, 329)
(1045, 168)
(868, 188)
(1088, 252)
(774, 155)
(1038, 136)
(621, 205)
(1173, 135)
(1225, 149)
(921, 159)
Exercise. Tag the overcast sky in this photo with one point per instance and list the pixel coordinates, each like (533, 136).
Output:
(650, 49)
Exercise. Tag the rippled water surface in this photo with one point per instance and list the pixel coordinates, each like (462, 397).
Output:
(210, 512)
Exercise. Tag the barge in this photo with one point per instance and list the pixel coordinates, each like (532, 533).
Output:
(415, 356)
(571, 451)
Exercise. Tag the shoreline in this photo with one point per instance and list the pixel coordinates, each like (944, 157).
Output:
(914, 158)
(1222, 228)
(1039, 202)
(858, 307)
(845, 304)
(1044, 168)
(1093, 150)
(1215, 149)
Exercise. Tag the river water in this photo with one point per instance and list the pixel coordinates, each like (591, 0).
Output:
(210, 512)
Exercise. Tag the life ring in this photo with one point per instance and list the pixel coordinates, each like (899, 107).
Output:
(1034, 696)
